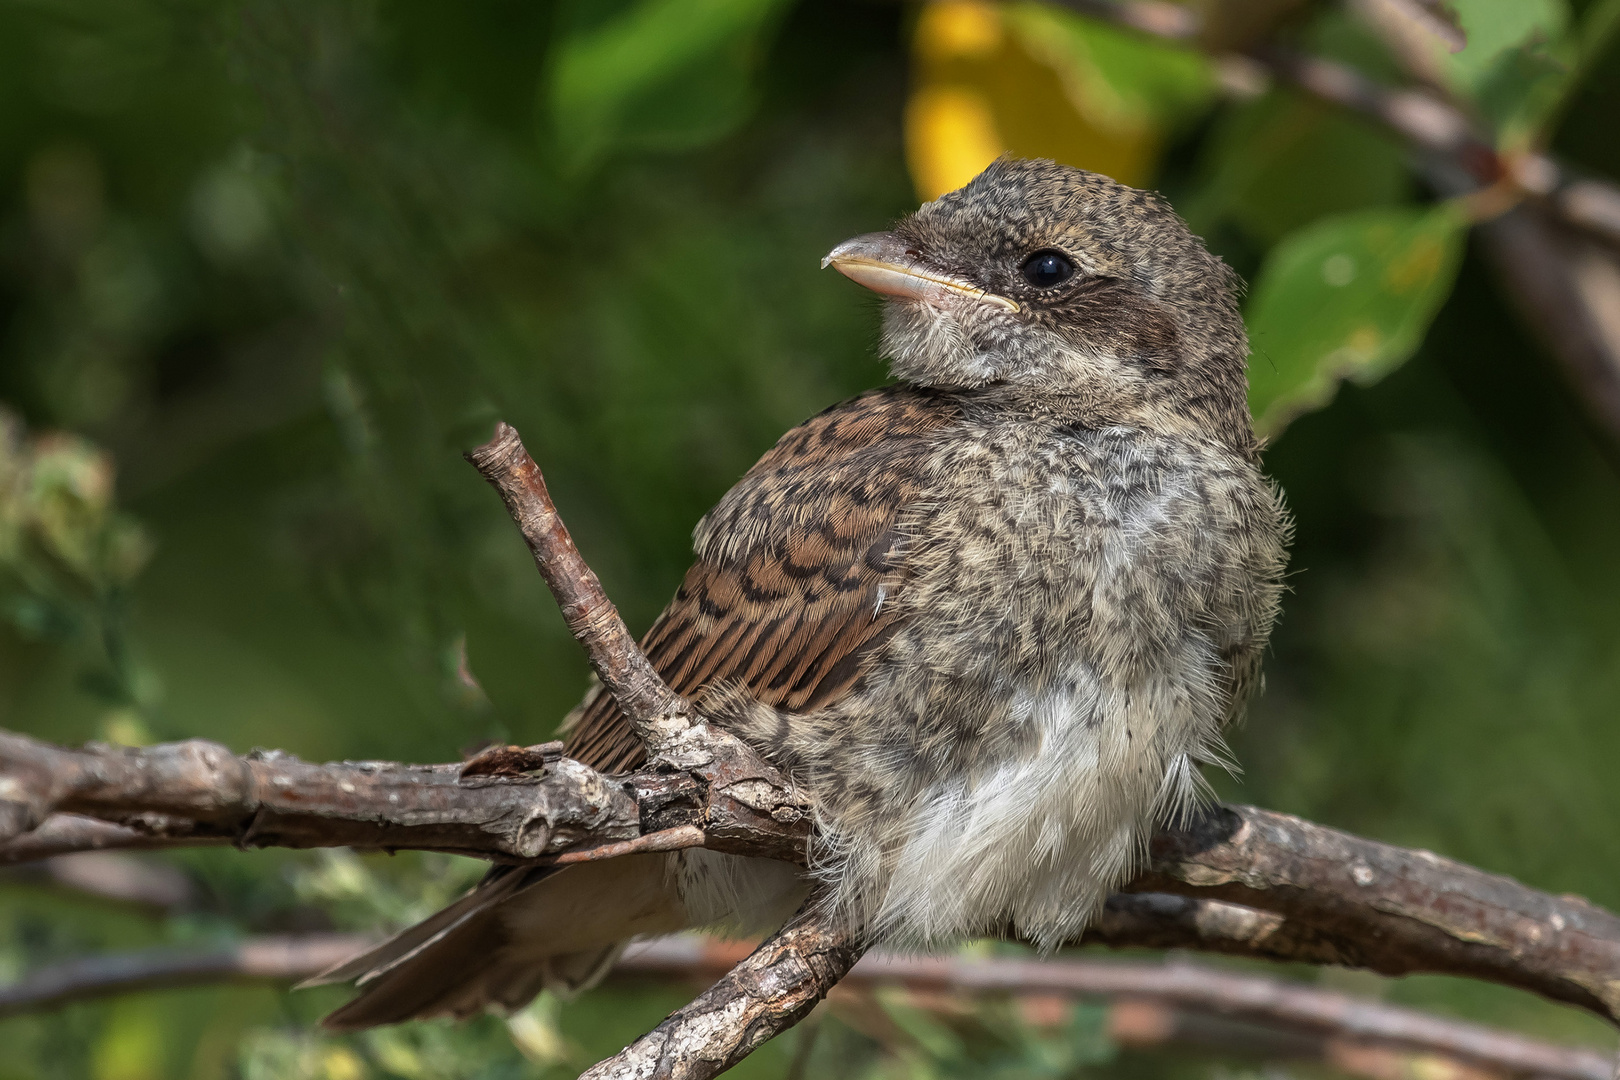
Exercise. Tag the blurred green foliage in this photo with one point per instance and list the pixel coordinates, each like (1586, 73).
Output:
(665, 75)
(67, 556)
(280, 263)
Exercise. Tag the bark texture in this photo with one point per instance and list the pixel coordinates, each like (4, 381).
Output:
(772, 989)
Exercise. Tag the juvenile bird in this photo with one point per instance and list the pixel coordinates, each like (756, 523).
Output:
(991, 617)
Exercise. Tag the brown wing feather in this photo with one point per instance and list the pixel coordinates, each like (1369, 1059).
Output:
(784, 598)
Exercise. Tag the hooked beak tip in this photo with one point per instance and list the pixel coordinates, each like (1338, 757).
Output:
(886, 264)
(868, 247)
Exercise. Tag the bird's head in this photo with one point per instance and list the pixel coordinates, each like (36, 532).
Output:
(1062, 292)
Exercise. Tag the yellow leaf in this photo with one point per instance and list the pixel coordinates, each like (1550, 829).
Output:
(982, 90)
(951, 136)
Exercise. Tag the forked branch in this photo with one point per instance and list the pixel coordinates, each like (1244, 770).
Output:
(1251, 882)
(782, 980)
(744, 787)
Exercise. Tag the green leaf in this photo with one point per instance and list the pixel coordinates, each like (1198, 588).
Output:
(1523, 86)
(1516, 58)
(1350, 297)
(1119, 80)
(654, 74)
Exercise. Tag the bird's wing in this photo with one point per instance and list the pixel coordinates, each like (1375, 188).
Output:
(797, 568)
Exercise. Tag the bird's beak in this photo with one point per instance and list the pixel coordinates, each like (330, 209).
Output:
(883, 263)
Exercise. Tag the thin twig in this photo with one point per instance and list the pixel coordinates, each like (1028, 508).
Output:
(283, 958)
(1567, 287)
(109, 875)
(777, 986)
(657, 712)
(1557, 255)
(1422, 119)
(677, 839)
(1172, 22)
(1554, 235)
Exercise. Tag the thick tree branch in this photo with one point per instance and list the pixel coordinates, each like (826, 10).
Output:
(1307, 893)
(1332, 897)
(198, 792)
(1147, 920)
(1394, 910)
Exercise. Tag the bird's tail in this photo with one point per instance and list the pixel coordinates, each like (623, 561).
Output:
(518, 932)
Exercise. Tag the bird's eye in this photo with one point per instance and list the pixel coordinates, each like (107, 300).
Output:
(1047, 268)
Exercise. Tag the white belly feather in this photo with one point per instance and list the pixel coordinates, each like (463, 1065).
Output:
(1040, 841)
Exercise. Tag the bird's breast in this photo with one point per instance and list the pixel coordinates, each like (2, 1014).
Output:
(1057, 679)
(1036, 557)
